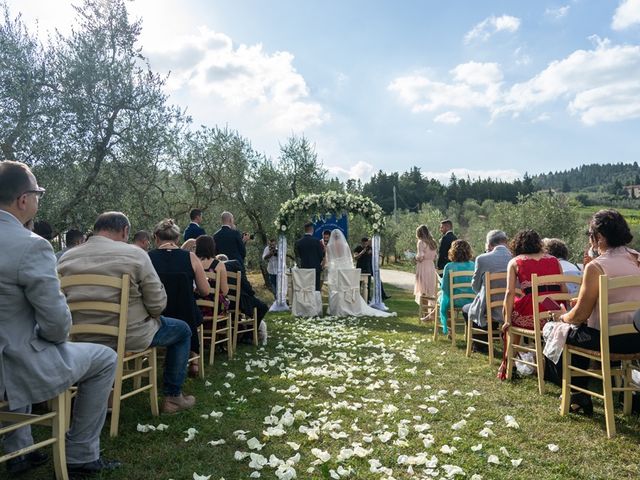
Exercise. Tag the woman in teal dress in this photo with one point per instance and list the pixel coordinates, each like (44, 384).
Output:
(460, 255)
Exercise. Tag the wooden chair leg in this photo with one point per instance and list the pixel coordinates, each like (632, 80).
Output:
(59, 428)
(608, 400)
(212, 345)
(153, 380)
(540, 365)
(509, 355)
(255, 326)
(232, 338)
(469, 340)
(628, 399)
(137, 380)
(565, 403)
(201, 344)
(67, 407)
(490, 342)
(117, 398)
(452, 330)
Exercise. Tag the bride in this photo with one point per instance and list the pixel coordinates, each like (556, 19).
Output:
(341, 302)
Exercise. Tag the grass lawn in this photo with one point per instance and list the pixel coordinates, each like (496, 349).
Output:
(367, 399)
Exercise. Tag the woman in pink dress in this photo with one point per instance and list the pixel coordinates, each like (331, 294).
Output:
(426, 253)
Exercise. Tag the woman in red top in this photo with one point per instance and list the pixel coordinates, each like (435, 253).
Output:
(529, 258)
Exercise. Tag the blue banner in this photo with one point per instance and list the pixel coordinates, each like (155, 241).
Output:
(331, 223)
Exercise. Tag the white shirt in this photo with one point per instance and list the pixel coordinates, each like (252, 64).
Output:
(272, 264)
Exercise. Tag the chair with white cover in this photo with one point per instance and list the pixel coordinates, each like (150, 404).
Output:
(56, 419)
(604, 356)
(306, 302)
(129, 364)
(344, 295)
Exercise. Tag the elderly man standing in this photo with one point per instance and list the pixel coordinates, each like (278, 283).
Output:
(36, 361)
(228, 240)
(495, 260)
(108, 253)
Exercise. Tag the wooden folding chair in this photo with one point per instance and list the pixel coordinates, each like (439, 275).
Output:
(54, 419)
(131, 361)
(536, 334)
(455, 317)
(604, 356)
(242, 323)
(495, 288)
(216, 328)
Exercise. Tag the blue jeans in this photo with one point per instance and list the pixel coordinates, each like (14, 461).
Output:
(175, 335)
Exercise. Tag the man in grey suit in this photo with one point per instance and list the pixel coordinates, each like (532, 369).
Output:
(36, 360)
(494, 261)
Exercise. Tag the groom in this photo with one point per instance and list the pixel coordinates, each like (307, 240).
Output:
(310, 253)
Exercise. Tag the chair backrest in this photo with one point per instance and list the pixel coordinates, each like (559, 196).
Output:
(120, 309)
(537, 297)
(606, 308)
(303, 278)
(461, 284)
(234, 280)
(349, 277)
(213, 298)
(495, 287)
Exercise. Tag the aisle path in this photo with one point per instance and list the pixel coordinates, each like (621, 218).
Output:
(404, 280)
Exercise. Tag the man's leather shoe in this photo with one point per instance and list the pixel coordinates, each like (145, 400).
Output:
(83, 470)
(24, 463)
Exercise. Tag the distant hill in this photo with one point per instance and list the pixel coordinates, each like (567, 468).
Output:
(594, 177)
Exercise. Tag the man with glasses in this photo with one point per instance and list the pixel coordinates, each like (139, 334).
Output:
(36, 361)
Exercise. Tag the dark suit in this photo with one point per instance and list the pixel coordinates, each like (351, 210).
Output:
(193, 231)
(443, 251)
(310, 254)
(229, 242)
(248, 298)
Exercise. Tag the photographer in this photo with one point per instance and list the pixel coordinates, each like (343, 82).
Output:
(362, 254)
(270, 255)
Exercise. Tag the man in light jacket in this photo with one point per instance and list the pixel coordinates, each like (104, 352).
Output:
(36, 361)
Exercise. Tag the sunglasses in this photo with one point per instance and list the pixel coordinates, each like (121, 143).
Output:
(38, 193)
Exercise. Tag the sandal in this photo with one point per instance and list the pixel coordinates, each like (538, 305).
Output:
(581, 404)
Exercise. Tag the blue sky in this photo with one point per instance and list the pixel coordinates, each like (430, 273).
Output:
(476, 87)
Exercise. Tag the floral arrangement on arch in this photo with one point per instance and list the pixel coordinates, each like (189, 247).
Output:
(331, 203)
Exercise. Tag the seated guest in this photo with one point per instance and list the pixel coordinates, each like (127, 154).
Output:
(557, 248)
(609, 235)
(142, 239)
(43, 229)
(459, 260)
(169, 260)
(37, 363)
(72, 238)
(529, 259)
(206, 252)
(194, 230)
(494, 261)
(107, 253)
(248, 299)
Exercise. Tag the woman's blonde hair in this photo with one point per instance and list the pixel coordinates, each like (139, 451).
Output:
(167, 230)
(422, 233)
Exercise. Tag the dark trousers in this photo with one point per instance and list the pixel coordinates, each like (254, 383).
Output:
(587, 337)
(273, 280)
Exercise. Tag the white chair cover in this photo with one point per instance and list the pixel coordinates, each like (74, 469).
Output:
(344, 295)
(306, 302)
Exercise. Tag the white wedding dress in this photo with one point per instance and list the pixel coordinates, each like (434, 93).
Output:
(344, 282)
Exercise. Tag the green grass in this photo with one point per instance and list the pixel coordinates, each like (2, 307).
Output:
(316, 355)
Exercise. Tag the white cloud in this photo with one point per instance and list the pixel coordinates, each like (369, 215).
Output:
(362, 170)
(475, 85)
(444, 177)
(244, 78)
(557, 13)
(450, 118)
(492, 25)
(597, 85)
(601, 85)
(626, 15)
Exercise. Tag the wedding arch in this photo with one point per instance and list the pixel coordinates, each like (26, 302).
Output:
(321, 206)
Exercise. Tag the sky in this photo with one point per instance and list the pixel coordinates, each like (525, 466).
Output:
(478, 88)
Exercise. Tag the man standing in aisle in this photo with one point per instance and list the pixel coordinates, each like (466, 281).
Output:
(194, 230)
(228, 240)
(446, 229)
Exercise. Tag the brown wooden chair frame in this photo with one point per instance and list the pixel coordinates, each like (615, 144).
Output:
(220, 330)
